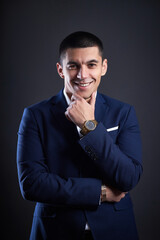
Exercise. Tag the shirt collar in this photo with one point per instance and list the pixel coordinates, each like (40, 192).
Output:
(66, 97)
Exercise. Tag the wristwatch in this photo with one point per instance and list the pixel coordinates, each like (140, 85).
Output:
(88, 126)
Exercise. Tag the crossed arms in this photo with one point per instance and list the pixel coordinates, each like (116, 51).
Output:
(120, 164)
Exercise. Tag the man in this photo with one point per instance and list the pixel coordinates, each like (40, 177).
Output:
(79, 153)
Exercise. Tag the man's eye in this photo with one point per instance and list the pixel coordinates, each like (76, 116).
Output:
(92, 65)
(73, 66)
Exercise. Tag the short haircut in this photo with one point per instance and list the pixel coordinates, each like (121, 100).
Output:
(80, 40)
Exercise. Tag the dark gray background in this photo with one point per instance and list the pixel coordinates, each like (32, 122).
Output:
(31, 32)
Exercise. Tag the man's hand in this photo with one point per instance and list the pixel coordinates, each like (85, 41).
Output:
(80, 110)
(109, 194)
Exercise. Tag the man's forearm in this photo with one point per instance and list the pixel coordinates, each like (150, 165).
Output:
(120, 163)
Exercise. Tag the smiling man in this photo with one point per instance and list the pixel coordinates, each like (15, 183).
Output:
(82, 69)
(79, 153)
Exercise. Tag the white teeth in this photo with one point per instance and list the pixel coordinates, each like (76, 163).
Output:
(84, 84)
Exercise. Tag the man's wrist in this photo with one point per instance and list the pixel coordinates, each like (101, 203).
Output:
(88, 126)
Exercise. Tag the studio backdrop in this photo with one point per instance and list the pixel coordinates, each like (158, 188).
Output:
(31, 32)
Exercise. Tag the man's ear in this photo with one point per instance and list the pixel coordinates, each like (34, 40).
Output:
(60, 70)
(104, 67)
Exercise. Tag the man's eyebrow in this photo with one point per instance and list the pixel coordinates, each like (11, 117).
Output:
(76, 63)
(72, 62)
(93, 61)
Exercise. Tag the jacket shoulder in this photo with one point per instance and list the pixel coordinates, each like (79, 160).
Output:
(115, 103)
(41, 105)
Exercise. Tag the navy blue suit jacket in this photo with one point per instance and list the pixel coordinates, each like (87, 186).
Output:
(64, 173)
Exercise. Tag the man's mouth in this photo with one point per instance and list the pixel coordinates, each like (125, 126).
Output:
(83, 84)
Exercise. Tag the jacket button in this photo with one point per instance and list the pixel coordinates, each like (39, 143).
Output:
(87, 149)
(94, 158)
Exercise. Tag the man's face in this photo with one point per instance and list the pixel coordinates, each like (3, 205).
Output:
(81, 70)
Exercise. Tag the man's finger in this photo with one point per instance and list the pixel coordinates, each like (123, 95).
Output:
(75, 96)
(71, 103)
(66, 114)
(93, 99)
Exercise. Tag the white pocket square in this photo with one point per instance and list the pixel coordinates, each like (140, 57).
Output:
(112, 129)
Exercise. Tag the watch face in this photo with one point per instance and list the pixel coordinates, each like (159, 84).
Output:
(90, 125)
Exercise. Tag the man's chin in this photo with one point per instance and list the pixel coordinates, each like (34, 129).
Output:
(85, 96)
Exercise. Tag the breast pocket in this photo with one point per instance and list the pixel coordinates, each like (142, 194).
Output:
(113, 135)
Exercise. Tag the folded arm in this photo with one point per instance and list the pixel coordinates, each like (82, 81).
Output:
(120, 162)
(38, 184)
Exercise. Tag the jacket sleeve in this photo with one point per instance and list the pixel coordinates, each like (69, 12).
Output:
(120, 162)
(37, 183)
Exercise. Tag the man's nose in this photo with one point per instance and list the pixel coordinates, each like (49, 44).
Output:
(82, 73)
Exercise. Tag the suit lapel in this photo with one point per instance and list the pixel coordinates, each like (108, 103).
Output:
(101, 108)
(59, 106)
